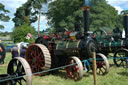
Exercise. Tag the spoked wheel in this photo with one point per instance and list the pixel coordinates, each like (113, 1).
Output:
(102, 64)
(91, 44)
(99, 33)
(120, 57)
(38, 58)
(41, 40)
(2, 53)
(75, 71)
(21, 71)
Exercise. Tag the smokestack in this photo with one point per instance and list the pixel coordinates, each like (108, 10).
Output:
(86, 20)
(86, 8)
(126, 25)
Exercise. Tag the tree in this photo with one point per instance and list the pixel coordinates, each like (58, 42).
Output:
(3, 16)
(103, 15)
(28, 12)
(64, 13)
(19, 33)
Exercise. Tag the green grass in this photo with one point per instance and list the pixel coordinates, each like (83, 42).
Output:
(116, 76)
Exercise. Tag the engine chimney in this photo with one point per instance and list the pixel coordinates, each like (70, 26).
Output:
(86, 9)
(126, 25)
(86, 21)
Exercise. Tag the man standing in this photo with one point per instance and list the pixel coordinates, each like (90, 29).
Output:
(14, 52)
(23, 50)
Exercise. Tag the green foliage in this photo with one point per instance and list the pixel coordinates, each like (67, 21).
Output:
(19, 33)
(28, 12)
(3, 16)
(64, 13)
(103, 15)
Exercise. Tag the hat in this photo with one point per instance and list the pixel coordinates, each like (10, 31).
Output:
(24, 45)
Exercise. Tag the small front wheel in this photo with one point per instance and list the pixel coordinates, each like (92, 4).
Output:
(102, 64)
(75, 71)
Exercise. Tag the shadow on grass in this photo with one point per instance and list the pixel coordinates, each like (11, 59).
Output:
(63, 74)
(114, 65)
(125, 73)
(59, 73)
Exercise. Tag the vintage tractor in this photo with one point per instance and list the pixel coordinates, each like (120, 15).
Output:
(18, 73)
(112, 42)
(2, 53)
(74, 48)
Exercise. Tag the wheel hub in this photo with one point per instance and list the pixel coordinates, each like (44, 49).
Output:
(100, 65)
(34, 60)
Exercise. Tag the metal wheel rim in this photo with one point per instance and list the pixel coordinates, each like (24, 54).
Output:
(38, 57)
(120, 57)
(18, 67)
(91, 46)
(96, 32)
(40, 40)
(102, 64)
(76, 71)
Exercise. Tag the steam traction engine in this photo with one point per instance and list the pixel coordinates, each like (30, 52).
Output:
(61, 51)
(114, 43)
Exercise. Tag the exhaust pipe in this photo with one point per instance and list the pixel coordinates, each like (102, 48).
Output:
(86, 21)
(86, 9)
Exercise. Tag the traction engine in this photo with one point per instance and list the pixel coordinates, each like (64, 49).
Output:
(114, 43)
(74, 48)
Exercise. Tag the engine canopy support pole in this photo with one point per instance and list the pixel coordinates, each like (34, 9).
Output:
(126, 25)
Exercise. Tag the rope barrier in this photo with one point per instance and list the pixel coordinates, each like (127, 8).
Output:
(13, 77)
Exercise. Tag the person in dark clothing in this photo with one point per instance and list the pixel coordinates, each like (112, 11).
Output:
(116, 30)
(116, 34)
(77, 27)
(23, 50)
(14, 52)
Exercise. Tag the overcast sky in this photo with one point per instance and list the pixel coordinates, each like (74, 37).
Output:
(11, 5)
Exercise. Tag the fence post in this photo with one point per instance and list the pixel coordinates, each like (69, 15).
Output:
(94, 67)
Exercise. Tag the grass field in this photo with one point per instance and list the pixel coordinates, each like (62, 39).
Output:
(116, 76)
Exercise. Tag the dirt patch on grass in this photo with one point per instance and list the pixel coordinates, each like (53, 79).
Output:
(3, 64)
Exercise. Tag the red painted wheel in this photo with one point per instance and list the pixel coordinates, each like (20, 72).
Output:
(102, 64)
(38, 57)
(75, 71)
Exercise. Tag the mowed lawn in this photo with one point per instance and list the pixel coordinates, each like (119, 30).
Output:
(116, 76)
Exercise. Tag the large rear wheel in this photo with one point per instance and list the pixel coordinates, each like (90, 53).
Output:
(38, 57)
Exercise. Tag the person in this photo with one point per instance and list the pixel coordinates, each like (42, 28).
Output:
(23, 50)
(116, 30)
(116, 34)
(14, 52)
(19, 50)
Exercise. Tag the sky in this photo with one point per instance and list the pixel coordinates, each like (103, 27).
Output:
(12, 5)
